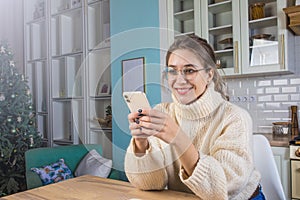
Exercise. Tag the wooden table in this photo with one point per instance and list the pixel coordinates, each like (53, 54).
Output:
(92, 187)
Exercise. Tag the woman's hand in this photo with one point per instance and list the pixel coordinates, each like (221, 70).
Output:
(158, 124)
(161, 125)
(151, 123)
(140, 139)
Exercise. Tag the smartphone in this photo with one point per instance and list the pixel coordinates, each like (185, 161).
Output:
(136, 100)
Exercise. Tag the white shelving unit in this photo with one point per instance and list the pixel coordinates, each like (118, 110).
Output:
(67, 98)
(99, 75)
(36, 45)
(68, 64)
(228, 27)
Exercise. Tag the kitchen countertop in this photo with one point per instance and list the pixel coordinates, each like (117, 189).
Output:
(277, 141)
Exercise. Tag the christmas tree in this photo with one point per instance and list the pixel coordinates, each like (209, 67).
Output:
(18, 132)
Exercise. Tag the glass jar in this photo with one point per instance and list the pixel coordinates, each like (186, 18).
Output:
(281, 128)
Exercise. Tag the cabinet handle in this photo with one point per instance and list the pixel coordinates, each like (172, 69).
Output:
(236, 57)
(282, 44)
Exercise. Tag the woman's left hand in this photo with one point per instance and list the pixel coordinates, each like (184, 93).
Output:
(159, 124)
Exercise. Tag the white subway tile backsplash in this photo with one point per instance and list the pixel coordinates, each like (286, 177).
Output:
(260, 106)
(260, 90)
(289, 89)
(295, 81)
(273, 106)
(274, 96)
(272, 90)
(280, 82)
(264, 83)
(281, 97)
(264, 129)
(295, 97)
(264, 98)
(282, 116)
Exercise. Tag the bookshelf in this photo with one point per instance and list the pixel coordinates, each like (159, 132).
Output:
(67, 51)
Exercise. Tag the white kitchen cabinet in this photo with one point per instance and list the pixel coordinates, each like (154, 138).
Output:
(282, 159)
(242, 46)
(67, 51)
(221, 27)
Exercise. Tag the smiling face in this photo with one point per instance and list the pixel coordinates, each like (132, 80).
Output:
(185, 89)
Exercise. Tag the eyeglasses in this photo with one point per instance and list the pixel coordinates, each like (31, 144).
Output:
(188, 73)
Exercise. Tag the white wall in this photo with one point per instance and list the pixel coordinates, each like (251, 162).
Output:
(11, 28)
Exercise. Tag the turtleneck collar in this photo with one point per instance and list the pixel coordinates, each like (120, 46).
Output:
(202, 107)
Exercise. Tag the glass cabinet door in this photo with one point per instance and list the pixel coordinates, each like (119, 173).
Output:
(221, 27)
(263, 36)
(184, 18)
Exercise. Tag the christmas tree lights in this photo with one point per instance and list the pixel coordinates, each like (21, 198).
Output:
(18, 131)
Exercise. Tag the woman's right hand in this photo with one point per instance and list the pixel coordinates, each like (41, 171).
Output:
(140, 139)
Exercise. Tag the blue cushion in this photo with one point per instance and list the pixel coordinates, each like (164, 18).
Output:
(54, 172)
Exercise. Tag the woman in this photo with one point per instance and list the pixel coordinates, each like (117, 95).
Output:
(200, 142)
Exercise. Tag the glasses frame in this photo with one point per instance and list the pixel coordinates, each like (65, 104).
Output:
(182, 73)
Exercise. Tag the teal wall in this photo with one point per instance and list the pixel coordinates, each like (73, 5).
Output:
(134, 33)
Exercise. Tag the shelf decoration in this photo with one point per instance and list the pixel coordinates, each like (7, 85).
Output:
(107, 121)
(39, 9)
(133, 74)
(103, 89)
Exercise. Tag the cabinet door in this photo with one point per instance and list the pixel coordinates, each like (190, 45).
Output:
(295, 170)
(221, 27)
(265, 38)
(249, 37)
(183, 18)
(282, 160)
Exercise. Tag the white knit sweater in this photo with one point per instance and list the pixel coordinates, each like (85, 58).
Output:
(221, 132)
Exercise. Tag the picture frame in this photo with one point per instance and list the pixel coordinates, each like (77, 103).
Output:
(133, 74)
(103, 89)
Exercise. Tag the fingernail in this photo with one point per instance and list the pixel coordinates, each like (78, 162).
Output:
(141, 115)
(140, 110)
(137, 121)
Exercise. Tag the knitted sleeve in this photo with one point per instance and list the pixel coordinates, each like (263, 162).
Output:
(226, 170)
(146, 172)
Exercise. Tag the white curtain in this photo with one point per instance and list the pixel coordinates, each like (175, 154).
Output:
(11, 28)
